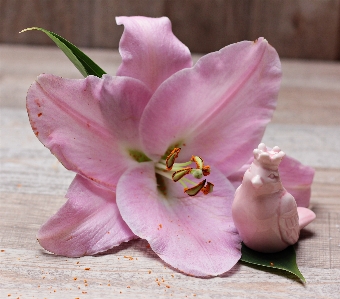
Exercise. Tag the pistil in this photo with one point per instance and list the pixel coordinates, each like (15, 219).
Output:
(178, 172)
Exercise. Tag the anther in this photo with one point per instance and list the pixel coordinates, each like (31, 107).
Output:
(208, 188)
(194, 190)
(178, 171)
(198, 160)
(206, 170)
(170, 159)
(177, 175)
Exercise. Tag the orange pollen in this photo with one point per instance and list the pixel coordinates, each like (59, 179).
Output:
(206, 170)
(208, 188)
(178, 171)
(170, 159)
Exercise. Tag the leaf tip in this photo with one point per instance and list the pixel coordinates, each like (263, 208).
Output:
(28, 29)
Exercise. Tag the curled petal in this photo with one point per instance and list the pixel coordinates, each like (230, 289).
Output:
(88, 223)
(150, 51)
(193, 234)
(295, 177)
(88, 124)
(218, 109)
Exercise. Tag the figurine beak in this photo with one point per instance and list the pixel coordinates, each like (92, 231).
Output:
(257, 182)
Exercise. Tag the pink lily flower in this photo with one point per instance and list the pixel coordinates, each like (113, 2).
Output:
(116, 132)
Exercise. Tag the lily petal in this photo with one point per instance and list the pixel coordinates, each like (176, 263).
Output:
(150, 51)
(88, 223)
(122, 102)
(295, 177)
(73, 119)
(193, 234)
(219, 108)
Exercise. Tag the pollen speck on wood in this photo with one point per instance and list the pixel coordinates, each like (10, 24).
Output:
(128, 257)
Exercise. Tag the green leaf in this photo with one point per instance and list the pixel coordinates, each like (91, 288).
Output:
(283, 260)
(80, 60)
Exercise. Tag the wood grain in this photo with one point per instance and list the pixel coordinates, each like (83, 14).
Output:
(296, 28)
(33, 184)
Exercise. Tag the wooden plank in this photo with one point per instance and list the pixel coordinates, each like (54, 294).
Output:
(296, 28)
(88, 23)
(193, 24)
(29, 273)
(106, 33)
(59, 16)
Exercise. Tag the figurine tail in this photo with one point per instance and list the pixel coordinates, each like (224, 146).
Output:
(306, 216)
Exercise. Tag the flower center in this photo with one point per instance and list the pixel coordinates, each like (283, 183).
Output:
(177, 172)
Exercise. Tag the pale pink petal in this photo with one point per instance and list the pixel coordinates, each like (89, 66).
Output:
(75, 120)
(237, 176)
(122, 102)
(295, 177)
(88, 223)
(218, 109)
(193, 234)
(150, 51)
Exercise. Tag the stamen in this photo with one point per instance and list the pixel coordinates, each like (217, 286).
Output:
(198, 160)
(188, 181)
(194, 190)
(170, 160)
(206, 170)
(177, 172)
(177, 175)
(208, 188)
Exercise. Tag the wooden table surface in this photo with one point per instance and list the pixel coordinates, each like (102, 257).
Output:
(306, 125)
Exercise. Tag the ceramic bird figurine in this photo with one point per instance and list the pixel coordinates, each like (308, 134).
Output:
(264, 213)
